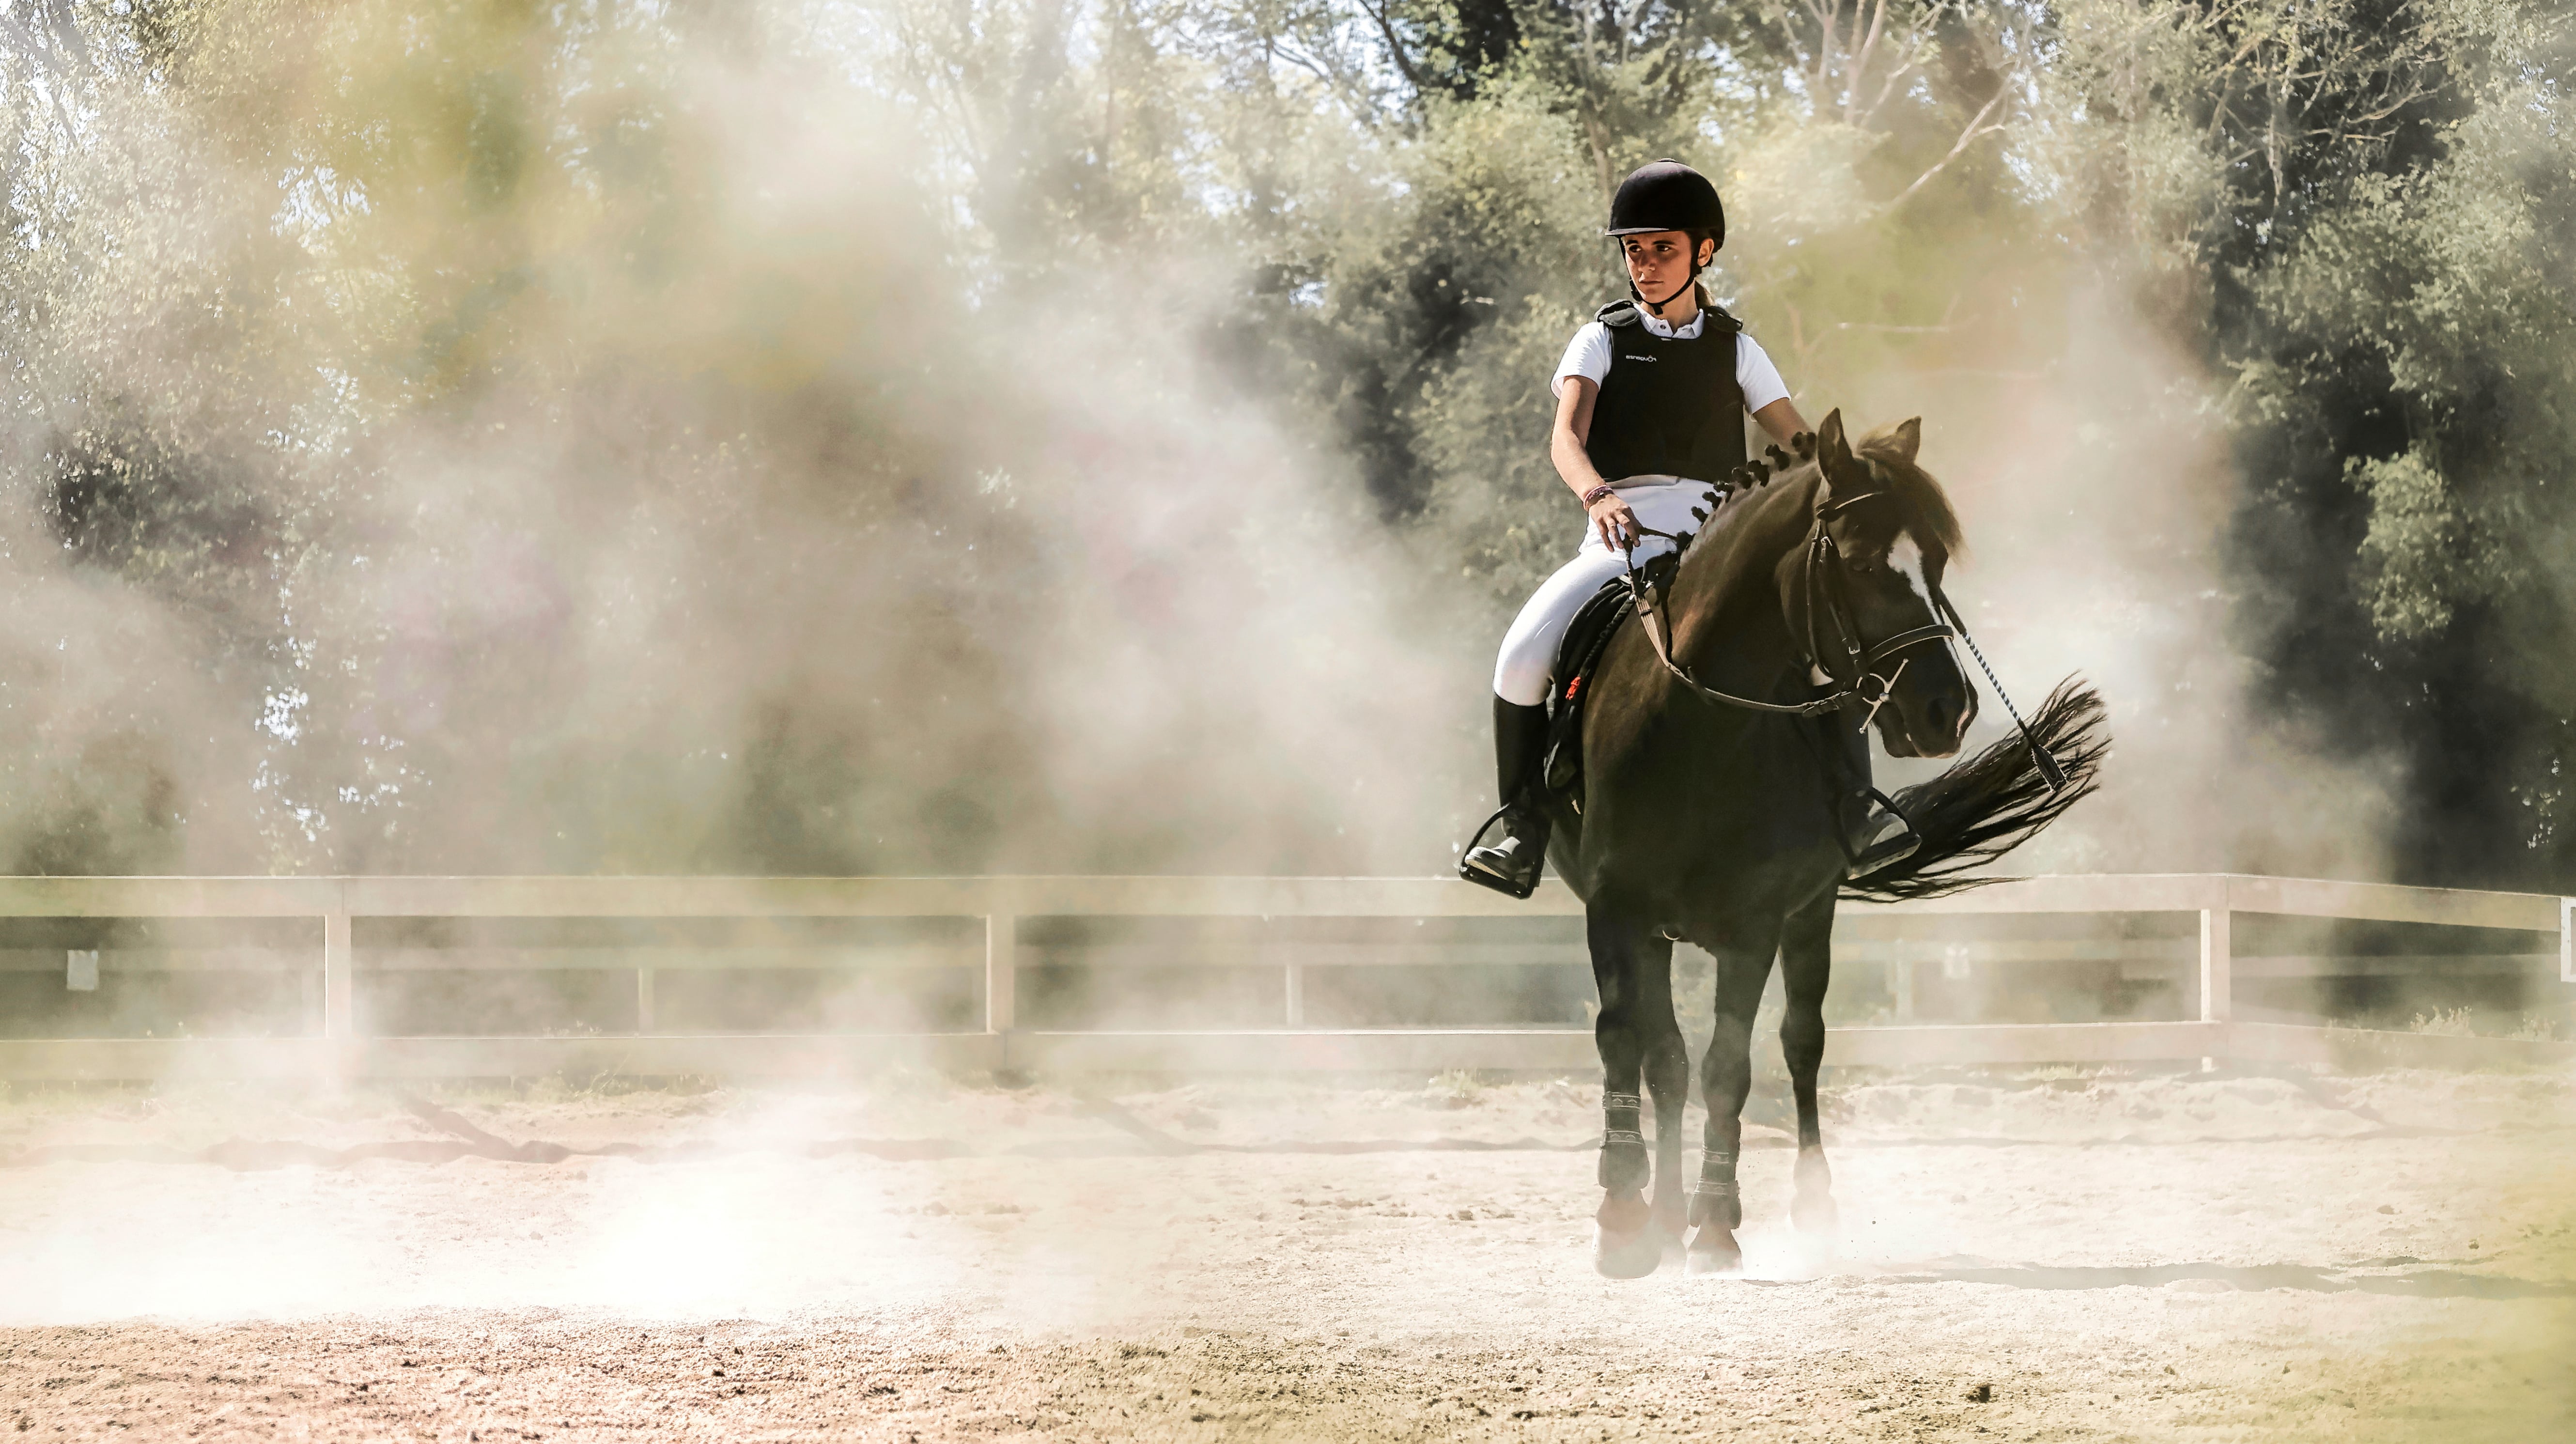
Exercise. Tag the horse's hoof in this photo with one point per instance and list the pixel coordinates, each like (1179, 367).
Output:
(1811, 1206)
(1628, 1256)
(1714, 1251)
(1628, 1238)
(1815, 1215)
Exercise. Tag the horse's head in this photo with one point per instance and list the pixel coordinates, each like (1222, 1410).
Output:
(1859, 596)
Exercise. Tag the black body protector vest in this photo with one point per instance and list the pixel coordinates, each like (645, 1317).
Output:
(1668, 407)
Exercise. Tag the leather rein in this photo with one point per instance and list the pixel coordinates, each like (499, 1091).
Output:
(1822, 581)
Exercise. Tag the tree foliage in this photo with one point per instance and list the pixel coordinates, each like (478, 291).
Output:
(447, 427)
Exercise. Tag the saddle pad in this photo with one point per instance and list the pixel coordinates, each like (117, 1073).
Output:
(1586, 639)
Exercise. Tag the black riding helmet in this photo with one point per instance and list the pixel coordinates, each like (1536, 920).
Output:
(1667, 196)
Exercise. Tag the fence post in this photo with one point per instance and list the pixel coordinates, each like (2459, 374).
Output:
(1001, 973)
(2217, 962)
(339, 1008)
(2567, 940)
(644, 1000)
(1296, 975)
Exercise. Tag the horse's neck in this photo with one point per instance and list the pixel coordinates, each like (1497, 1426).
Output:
(1727, 619)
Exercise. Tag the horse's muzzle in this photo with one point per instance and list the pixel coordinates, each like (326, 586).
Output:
(1937, 730)
(1947, 720)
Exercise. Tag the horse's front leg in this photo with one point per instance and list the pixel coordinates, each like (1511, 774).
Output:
(1726, 1076)
(1640, 1042)
(1806, 967)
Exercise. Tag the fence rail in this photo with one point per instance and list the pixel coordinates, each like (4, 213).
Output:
(998, 903)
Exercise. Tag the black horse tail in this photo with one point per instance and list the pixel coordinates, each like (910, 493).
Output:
(1995, 801)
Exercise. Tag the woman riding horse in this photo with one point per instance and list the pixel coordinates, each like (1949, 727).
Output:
(1650, 405)
(1722, 745)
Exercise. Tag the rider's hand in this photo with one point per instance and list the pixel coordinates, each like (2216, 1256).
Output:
(1614, 521)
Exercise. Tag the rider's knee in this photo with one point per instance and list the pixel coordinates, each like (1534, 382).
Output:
(1521, 679)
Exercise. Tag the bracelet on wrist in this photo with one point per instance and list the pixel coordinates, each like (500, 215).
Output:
(1593, 497)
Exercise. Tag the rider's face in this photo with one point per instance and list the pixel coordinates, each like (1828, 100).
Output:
(1659, 261)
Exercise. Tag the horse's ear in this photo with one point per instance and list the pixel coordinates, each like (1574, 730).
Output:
(1832, 448)
(1909, 437)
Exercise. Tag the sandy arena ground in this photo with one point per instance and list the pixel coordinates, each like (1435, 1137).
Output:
(2032, 1257)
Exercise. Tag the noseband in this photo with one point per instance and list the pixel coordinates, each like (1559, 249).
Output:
(1824, 587)
(1826, 576)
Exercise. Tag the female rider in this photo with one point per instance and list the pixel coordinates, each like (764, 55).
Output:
(1650, 401)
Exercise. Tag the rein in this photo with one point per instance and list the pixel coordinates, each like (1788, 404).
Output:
(1824, 560)
(1823, 575)
(2050, 770)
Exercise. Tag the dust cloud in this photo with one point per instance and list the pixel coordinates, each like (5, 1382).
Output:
(2074, 417)
(625, 469)
(610, 455)
(640, 469)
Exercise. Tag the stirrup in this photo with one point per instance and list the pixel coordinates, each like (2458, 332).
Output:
(1512, 866)
(1884, 849)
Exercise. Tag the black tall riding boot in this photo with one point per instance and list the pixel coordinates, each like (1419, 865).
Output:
(1512, 862)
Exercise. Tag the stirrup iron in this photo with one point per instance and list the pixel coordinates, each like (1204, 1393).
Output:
(1504, 867)
(1886, 849)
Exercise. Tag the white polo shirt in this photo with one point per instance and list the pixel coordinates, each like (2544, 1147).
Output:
(1588, 356)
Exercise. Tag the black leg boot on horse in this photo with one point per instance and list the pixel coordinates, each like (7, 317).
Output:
(1804, 945)
(1640, 1042)
(1513, 862)
(1726, 1079)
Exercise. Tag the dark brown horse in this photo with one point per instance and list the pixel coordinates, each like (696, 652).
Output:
(1722, 826)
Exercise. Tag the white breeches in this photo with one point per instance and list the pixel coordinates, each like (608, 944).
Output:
(1529, 648)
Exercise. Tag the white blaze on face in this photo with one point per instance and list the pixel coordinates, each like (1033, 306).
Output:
(1906, 557)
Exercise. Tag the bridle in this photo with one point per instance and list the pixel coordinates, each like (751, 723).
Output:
(1826, 579)
(1823, 589)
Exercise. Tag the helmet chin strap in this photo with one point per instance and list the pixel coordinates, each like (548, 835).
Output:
(1658, 306)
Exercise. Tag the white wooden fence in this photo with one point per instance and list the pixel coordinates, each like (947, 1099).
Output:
(999, 902)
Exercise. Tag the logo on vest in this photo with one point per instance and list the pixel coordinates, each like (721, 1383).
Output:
(1631, 356)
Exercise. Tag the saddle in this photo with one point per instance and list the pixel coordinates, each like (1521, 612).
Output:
(1586, 639)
